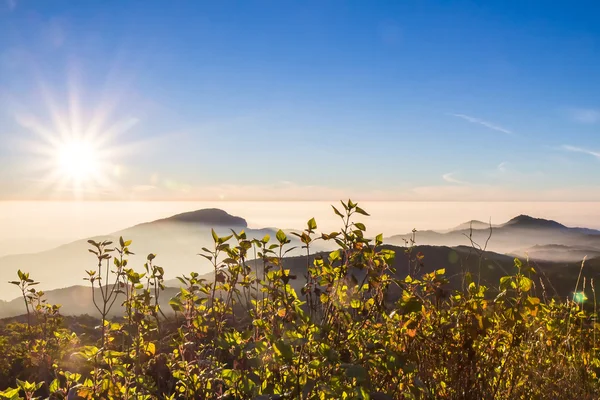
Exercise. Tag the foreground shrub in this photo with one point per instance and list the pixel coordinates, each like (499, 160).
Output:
(247, 334)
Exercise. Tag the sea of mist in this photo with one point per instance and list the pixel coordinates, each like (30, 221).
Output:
(41, 225)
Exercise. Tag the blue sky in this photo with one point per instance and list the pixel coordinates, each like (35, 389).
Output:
(411, 100)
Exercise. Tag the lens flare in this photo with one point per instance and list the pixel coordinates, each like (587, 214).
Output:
(77, 160)
(76, 153)
(579, 297)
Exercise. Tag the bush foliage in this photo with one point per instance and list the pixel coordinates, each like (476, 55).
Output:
(247, 334)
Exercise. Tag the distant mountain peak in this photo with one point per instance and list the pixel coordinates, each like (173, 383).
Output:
(528, 221)
(213, 217)
(475, 222)
(472, 224)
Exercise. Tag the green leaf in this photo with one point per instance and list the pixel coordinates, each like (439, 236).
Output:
(364, 394)
(534, 301)
(335, 255)
(283, 350)
(10, 394)
(525, 284)
(176, 304)
(361, 211)
(209, 258)
(337, 212)
(54, 386)
(214, 235)
(355, 303)
(312, 224)
(506, 282)
(281, 237)
(225, 239)
(360, 226)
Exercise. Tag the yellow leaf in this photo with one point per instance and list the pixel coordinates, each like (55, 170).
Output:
(150, 348)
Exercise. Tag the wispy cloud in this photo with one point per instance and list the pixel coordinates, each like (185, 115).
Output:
(581, 150)
(585, 115)
(509, 173)
(450, 178)
(479, 121)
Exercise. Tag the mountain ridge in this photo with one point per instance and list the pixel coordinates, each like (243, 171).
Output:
(176, 241)
(77, 299)
(522, 231)
(524, 220)
(213, 217)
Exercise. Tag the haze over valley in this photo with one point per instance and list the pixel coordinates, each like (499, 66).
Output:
(177, 240)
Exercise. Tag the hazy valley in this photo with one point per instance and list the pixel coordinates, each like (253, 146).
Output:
(474, 246)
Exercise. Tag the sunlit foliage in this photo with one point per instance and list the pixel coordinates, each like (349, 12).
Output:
(247, 334)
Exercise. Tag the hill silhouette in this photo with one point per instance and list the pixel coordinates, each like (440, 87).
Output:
(213, 217)
(520, 232)
(176, 240)
(526, 221)
(473, 224)
(558, 278)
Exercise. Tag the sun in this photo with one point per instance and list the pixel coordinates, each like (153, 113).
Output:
(77, 160)
(77, 153)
